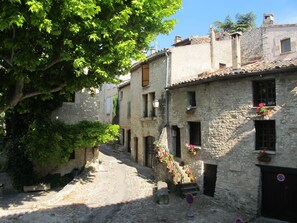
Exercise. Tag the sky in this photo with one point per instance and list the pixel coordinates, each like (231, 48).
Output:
(196, 16)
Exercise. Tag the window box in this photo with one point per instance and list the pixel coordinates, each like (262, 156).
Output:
(192, 149)
(263, 156)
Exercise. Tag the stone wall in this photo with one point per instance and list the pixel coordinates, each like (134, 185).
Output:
(265, 43)
(124, 118)
(251, 45)
(83, 157)
(225, 110)
(142, 127)
(87, 106)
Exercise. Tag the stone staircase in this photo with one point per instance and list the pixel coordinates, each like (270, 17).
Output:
(182, 178)
(185, 184)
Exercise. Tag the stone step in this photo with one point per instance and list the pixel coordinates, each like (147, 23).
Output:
(189, 188)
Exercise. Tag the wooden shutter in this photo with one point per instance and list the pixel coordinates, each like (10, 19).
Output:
(145, 75)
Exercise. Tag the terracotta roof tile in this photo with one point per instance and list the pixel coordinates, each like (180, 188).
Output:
(259, 66)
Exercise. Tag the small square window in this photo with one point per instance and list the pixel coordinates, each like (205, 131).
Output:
(222, 65)
(285, 45)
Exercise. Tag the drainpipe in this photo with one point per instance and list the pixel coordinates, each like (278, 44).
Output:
(167, 91)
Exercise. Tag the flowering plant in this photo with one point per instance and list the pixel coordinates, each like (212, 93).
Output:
(192, 149)
(261, 110)
(263, 156)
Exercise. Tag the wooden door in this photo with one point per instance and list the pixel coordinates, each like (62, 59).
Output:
(279, 193)
(149, 151)
(136, 149)
(210, 178)
(129, 141)
(176, 141)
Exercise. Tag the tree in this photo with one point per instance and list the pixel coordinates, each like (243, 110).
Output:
(243, 23)
(61, 46)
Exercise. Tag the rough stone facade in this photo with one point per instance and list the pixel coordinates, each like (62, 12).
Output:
(265, 43)
(92, 107)
(165, 68)
(125, 114)
(227, 116)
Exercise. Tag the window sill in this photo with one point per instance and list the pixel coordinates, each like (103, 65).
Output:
(144, 119)
(284, 53)
(270, 152)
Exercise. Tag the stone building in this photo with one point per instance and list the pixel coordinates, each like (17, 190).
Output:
(217, 112)
(149, 79)
(124, 98)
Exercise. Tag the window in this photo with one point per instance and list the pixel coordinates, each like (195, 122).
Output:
(222, 65)
(152, 109)
(285, 45)
(145, 105)
(72, 155)
(265, 134)
(264, 92)
(108, 105)
(121, 95)
(195, 133)
(129, 109)
(145, 75)
(192, 98)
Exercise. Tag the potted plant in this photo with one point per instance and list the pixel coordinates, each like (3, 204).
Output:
(263, 156)
(192, 149)
(261, 109)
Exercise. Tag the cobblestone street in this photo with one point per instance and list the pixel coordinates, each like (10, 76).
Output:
(114, 191)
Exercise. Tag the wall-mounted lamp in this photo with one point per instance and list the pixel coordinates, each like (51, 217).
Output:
(156, 103)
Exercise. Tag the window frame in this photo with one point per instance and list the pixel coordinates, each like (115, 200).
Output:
(264, 94)
(284, 47)
(191, 95)
(195, 133)
(145, 75)
(265, 135)
(129, 109)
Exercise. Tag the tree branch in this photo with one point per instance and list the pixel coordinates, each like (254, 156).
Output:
(32, 94)
(50, 64)
(12, 50)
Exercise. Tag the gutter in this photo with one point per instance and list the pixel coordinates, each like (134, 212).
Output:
(238, 75)
(166, 88)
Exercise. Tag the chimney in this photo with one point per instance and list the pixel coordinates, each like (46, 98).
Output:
(268, 19)
(177, 39)
(236, 54)
(212, 46)
(153, 50)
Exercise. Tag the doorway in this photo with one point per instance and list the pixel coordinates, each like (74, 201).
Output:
(279, 193)
(176, 141)
(136, 149)
(129, 140)
(209, 179)
(149, 150)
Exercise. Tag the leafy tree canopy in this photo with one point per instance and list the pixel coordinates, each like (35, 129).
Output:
(243, 23)
(46, 45)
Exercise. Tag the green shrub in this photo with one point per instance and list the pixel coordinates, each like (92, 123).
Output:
(50, 141)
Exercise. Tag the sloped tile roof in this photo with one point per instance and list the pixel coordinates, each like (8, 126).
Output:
(255, 68)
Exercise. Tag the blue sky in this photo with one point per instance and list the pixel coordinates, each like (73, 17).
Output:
(196, 16)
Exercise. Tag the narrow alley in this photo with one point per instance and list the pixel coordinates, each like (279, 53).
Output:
(115, 191)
